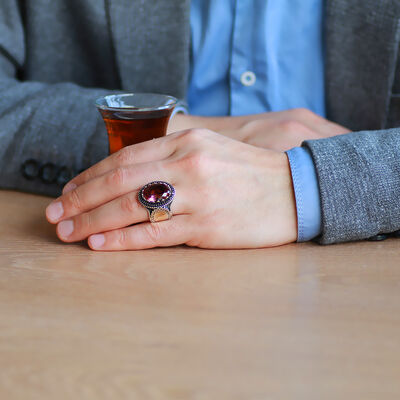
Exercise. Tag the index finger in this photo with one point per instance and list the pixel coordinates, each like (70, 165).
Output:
(152, 150)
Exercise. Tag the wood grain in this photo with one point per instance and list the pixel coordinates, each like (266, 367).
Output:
(295, 322)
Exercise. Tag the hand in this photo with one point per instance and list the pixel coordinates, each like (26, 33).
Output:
(228, 195)
(279, 131)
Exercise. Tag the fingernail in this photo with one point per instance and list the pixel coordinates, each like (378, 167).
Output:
(68, 187)
(65, 228)
(55, 211)
(96, 241)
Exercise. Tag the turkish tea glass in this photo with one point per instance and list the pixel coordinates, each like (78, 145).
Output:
(135, 117)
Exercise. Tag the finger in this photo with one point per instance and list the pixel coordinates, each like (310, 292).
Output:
(320, 125)
(284, 136)
(316, 123)
(175, 231)
(103, 189)
(328, 128)
(119, 213)
(152, 150)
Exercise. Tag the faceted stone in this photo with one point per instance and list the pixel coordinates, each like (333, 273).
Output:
(156, 192)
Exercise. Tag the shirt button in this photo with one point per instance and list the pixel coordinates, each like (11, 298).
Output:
(248, 78)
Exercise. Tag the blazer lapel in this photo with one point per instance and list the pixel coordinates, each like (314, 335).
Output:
(151, 43)
(362, 41)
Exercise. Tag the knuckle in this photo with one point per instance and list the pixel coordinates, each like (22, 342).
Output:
(120, 238)
(128, 204)
(82, 224)
(291, 126)
(124, 156)
(74, 199)
(153, 233)
(116, 177)
(194, 136)
(195, 162)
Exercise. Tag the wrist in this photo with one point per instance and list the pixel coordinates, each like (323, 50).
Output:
(278, 197)
(288, 199)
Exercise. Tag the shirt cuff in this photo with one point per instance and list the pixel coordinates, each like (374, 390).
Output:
(306, 191)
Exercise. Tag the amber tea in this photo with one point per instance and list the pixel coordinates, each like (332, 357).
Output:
(142, 126)
(135, 118)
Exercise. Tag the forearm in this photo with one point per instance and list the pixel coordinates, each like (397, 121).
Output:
(359, 181)
(49, 123)
(54, 124)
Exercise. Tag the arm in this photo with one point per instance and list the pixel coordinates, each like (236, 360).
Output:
(50, 123)
(358, 176)
(280, 130)
(359, 180)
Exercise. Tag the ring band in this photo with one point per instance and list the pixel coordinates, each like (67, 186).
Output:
(157, 197)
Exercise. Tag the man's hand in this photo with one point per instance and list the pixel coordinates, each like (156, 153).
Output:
(228, 195)
(279, 131)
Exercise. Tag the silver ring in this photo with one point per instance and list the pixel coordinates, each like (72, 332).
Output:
(157, 197)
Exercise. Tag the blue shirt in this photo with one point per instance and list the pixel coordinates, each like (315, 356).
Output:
(252, 56)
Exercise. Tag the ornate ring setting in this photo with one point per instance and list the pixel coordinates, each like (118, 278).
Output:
(157, 197)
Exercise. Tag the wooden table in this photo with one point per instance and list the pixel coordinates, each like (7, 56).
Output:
(295, 322)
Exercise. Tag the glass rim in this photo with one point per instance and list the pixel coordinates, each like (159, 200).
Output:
(133, 108)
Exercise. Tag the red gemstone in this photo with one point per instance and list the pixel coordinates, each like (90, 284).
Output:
(156, 192)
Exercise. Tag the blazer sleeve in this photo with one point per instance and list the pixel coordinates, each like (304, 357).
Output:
(359, 182)
(55, 125)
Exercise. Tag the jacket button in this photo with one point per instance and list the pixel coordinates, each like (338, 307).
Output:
(30, 169)
(378, 238)
(64, 175)
(48, 173)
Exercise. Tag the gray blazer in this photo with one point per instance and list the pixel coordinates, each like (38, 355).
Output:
(56, 57)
